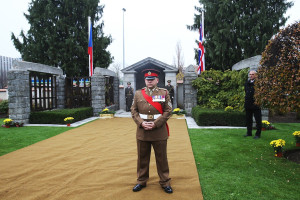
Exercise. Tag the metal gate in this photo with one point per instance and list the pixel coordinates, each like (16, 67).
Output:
(109, 91)
(78, 92)
(43, 91)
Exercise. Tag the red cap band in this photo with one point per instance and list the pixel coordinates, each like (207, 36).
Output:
(151, 74)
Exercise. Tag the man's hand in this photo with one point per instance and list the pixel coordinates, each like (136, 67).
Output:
(148, 125)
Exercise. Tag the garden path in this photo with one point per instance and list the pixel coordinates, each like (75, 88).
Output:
(97, 161)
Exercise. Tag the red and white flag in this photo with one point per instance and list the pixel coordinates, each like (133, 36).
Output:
(201, 66)
(90, 47)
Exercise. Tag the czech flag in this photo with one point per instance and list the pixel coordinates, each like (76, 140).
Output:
(90, 48)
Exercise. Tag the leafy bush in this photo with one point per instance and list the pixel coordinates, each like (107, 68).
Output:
(278, 83)
(211, 117)
(4, 107)
(58, 116)
(217, 89)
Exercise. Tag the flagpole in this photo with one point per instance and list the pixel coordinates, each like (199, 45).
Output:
(124, 10)
(203, 24)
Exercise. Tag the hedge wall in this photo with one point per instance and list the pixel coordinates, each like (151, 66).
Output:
(58, 116)
(211, 117)
(217, 89)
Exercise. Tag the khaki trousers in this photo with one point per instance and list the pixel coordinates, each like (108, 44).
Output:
(144, 153)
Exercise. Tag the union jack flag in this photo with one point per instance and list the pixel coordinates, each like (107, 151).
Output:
(201, 66)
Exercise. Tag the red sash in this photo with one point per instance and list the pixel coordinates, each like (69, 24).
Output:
(156, 105)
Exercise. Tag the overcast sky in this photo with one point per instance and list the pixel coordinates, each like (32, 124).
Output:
(152, 28)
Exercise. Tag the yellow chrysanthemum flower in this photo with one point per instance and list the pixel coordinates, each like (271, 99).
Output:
(265, 122)
(296, 133)
(68, 119)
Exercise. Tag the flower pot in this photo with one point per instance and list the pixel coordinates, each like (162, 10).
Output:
(68, 124)
(297, 144)
(279, 154)
(7, 126)
(175, 116)
(263, 129)
(106, 115)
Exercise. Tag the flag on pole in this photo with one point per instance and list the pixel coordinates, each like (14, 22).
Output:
(201, 66)
(90, 47)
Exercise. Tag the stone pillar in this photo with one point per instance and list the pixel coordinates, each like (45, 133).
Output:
(122, 105)
(98, 93)
(189, 92)
(60, 85)
(116, 92)
(19, 95)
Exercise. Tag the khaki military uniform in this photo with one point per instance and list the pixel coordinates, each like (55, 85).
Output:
(156, 137)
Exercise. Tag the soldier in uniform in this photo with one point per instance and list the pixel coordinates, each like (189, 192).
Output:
(150, 110)
(128, 96)
(170, 89)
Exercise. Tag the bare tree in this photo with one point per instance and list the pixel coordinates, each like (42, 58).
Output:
(178, 59)
(116, 67)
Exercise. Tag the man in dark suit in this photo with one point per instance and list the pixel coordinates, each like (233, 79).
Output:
(150, 110)
(251, 108)
(128, 96)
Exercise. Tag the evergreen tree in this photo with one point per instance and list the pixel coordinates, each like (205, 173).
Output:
(238, 29)
(58, 35)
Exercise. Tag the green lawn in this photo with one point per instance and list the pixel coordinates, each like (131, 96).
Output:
(229, 165)
(14, 138)
(233, 167)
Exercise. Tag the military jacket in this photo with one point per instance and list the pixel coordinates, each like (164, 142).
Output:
(141, 106)
(170, 89)
(128, 92)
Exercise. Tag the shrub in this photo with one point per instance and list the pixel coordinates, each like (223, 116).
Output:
(4, 107)
(58, 116)
(278, 82)
(211, 117)
(217, 89)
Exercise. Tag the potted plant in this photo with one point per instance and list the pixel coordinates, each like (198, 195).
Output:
(18, 124)
(106, 113)
(267, 125)
(7, 122)
(278, 146)
(297, 137)
(178, 113)
(68, 120)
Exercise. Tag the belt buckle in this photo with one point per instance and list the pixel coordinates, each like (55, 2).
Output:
(150, 116)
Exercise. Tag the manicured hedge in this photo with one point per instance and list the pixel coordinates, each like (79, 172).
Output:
(4, 107)
(58, 116)
(211, 117)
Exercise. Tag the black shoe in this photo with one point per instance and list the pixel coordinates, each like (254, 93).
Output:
(168, 189)
(138, 187)
(256, 137)
(247, 135)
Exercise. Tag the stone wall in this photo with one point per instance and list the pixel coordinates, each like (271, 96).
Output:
(18, 95)
(98, 90)
(98, 93)
(189, 92)
(19, 91)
